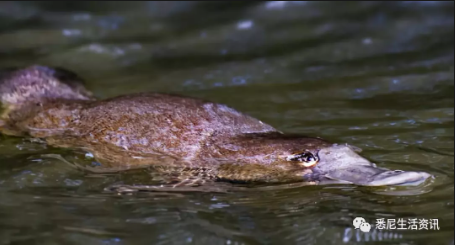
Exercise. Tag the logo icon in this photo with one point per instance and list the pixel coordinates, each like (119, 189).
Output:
(365, 227)
(361, 224)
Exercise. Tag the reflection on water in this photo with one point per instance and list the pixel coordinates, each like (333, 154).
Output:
(376, 75)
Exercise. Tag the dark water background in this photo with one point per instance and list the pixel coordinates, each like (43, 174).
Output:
(378, 75)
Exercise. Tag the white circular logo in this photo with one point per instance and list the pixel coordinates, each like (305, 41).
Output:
(362, 224)
(358, 221)
(365, 227)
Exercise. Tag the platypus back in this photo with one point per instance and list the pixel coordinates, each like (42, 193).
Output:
(52, 103)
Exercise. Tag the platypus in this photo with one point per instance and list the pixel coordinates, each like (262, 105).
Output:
(176, 133)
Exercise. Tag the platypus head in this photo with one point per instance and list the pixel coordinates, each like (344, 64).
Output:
(340, 163)
(275, 157)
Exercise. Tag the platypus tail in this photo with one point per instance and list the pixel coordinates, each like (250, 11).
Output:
(36, 84)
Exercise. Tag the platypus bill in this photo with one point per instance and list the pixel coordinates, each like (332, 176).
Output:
(184, 136)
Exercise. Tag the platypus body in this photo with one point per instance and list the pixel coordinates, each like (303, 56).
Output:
(184, 134)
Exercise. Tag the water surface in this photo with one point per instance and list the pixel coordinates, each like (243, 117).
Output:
(376, 75)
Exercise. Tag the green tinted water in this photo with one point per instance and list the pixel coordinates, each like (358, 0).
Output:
(376, 75)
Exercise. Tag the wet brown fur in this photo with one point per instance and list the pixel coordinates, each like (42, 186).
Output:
(147, 129)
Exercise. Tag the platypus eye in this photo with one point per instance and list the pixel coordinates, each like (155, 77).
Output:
(306, 158)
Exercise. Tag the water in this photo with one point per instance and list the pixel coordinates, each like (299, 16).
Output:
(375, 75)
